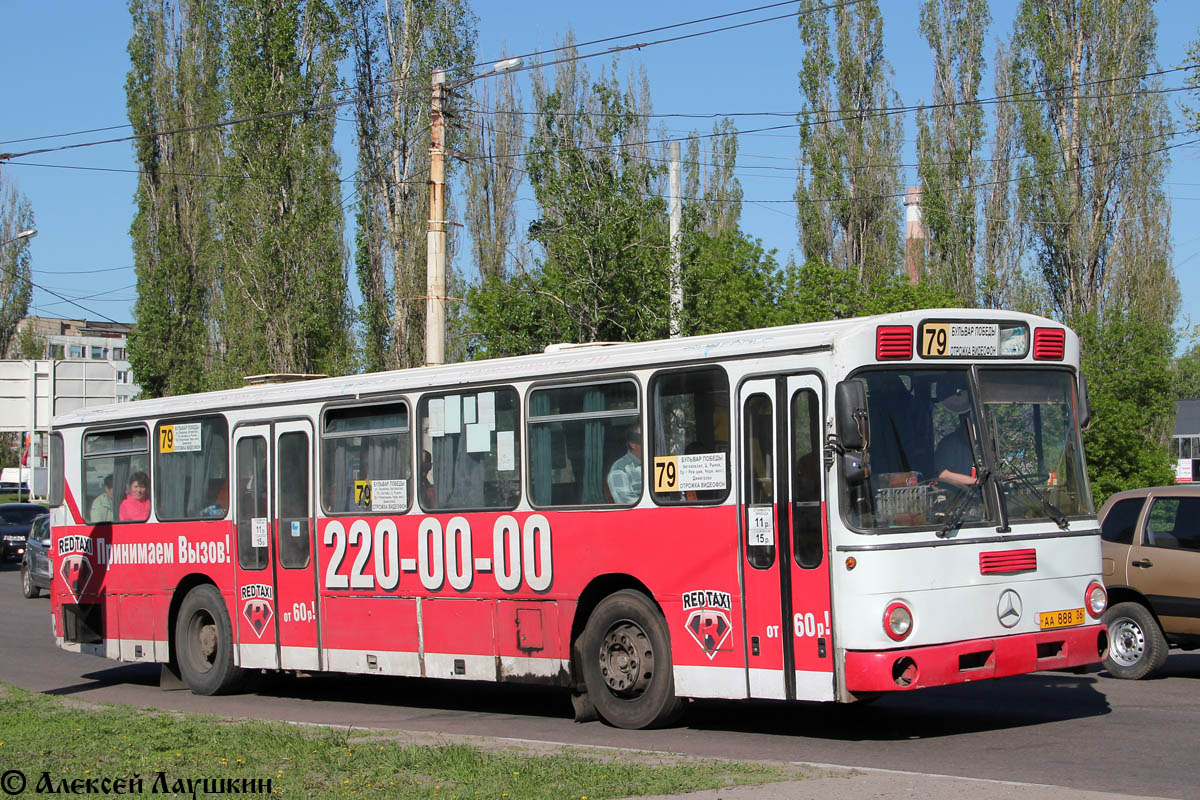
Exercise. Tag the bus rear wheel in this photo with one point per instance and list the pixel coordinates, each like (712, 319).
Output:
(626, 667)
(204, 643)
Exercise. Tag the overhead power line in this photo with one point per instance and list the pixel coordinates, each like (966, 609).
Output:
(320, 107)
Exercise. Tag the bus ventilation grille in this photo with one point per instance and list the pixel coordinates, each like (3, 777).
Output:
(1008, 561)
(893, 342)
(1049, 344)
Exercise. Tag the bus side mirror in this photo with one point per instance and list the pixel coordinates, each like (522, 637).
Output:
(850, 409)
(1085, 408)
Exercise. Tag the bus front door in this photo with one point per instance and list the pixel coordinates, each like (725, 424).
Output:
(784, 540)
(295, 573)
(255, 614)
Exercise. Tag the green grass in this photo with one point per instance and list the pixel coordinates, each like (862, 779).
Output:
(69, 739)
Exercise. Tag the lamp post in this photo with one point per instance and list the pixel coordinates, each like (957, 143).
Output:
(28, 233)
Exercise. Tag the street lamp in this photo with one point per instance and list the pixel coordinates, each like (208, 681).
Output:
(28, 233)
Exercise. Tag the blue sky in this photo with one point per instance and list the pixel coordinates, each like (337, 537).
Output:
(65, 65)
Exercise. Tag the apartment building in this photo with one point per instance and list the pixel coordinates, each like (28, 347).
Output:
(87, 339)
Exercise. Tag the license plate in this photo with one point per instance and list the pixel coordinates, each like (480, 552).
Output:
(1061, 619)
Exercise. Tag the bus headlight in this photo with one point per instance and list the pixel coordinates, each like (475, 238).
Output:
(1095, 600)
(897, 621)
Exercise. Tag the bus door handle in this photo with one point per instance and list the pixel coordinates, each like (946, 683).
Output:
(1143, 563)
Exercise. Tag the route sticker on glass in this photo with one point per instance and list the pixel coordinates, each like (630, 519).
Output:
(701, 471)
(389, 495)
(362, 494)
(258, 532)
(760, 526)
(666, 474)
(187, 437)
(959, 339)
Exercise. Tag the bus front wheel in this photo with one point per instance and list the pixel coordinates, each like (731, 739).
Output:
(626, 665)
(204, 643)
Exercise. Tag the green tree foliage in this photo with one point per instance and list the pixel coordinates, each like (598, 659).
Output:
(283, 276)
(1187, 374)
(173, 83)
(1128, 364)
(949, 138)
(818, 292)
(16, 288)
(396, 49)
(1092, 149)
(729, 283)
(711, 191)
(601, 225)
(494, 140)
(847, 194)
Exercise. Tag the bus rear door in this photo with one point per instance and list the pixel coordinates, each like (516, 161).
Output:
(295, 572)
(255, 615)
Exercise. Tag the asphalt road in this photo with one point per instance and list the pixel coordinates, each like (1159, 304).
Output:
(1086, 732)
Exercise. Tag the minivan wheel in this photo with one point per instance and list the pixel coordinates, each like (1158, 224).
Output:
(1136, 646)
(28, 587)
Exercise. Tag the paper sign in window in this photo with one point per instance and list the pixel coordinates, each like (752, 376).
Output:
(760, 526)
(701, 472)
(468, 410)
(479, 438)
(258, 532)
(505, 451)
(487, 410)
(437, 417)
(453, 421)
(390, 495)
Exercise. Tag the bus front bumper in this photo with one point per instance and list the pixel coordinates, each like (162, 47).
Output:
(973, 660)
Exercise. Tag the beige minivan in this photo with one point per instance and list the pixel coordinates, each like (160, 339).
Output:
(1151, 552)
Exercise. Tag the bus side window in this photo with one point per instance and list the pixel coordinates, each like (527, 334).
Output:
(191, 478)
(579, 445)
(471, 437)
(110, 458)
(365, 447)
(251, 499)
(689, 436)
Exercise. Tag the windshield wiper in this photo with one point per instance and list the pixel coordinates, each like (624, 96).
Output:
(1060, 519)
(958, 511)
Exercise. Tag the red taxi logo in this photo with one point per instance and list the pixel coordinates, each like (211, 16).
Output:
(708, 619)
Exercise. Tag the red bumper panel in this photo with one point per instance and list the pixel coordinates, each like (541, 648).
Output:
(938, 665)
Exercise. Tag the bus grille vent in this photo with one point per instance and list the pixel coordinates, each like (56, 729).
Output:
(1008, 561)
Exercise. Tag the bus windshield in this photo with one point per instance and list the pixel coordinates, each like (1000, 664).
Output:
(925, 456)
(1038, 458)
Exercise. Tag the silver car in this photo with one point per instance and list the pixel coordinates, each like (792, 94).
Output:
(35, 564)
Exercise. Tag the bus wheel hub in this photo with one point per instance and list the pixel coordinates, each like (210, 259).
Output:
(626, 660)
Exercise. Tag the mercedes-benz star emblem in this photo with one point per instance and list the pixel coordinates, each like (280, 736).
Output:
(1009, 608)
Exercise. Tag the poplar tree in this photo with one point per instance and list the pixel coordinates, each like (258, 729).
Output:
(1092, 135)
(16, 288)
(397, 46)
(174, 84)
(283, 273)
(711, 190)
(949, 137)
(494, 141)
(847, 196)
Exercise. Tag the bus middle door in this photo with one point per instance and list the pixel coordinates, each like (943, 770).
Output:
(254, 609)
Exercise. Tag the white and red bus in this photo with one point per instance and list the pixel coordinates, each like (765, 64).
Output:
(813, 512)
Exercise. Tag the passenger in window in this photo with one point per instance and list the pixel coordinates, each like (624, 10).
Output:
(102, 510)
(136, 505)
(625, 475)
(953, 456)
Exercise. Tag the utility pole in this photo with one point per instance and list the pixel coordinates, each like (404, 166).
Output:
(676, 244)
(435, 242)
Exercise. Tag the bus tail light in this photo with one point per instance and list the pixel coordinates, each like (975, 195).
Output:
(897, 621)
(1096, 599)
(893, 342)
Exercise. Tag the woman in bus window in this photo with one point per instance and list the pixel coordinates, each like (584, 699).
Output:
(136, 505)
